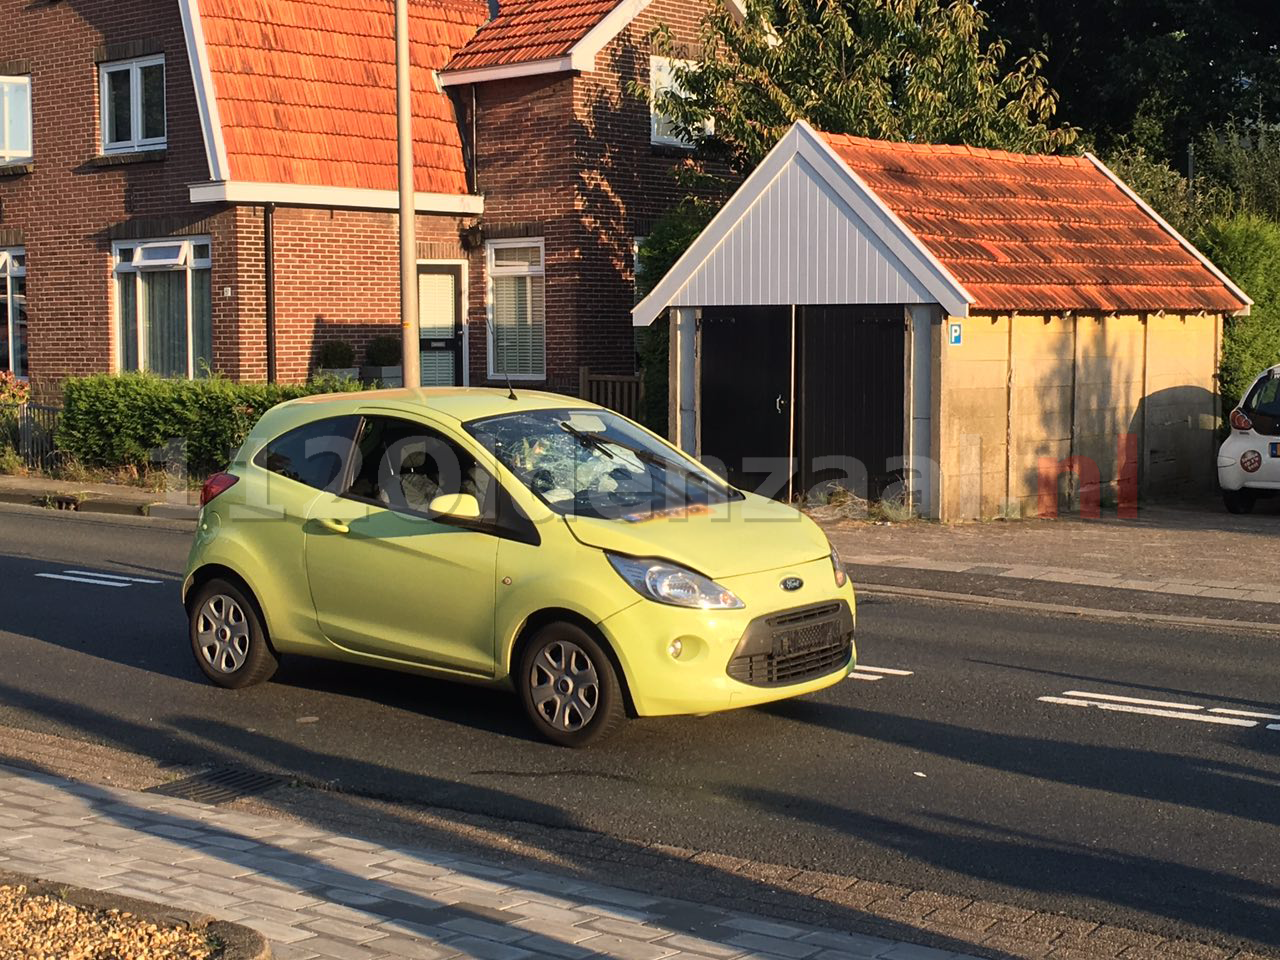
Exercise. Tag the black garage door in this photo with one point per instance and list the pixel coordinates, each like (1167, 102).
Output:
(849, 395)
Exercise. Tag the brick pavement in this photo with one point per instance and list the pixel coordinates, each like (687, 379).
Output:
(317, 894)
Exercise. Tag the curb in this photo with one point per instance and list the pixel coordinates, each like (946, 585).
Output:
(238, 942)
(78, 503)
(1100, 613)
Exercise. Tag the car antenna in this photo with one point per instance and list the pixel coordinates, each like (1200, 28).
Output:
(493, 338)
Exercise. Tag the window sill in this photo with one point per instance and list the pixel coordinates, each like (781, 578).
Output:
(21, 168)
(124, 159)
(673, 150)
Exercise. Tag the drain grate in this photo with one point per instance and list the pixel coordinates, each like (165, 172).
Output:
(218, 786)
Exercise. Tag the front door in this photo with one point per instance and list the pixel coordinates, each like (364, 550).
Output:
(440, 298)
(388, 577)
(746, 395)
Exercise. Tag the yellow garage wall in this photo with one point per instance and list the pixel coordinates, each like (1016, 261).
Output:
(1030, 386)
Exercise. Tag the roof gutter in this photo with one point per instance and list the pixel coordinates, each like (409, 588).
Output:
(303, 195)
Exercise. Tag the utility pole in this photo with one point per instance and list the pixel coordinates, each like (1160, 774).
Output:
(410, 329)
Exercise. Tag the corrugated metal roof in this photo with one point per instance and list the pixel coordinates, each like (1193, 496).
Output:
(306, 90)
(526, 31)
(1034, 232)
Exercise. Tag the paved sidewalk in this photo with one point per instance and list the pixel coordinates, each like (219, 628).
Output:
(318, 894)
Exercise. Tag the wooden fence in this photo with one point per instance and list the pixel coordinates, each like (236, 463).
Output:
(624, 394)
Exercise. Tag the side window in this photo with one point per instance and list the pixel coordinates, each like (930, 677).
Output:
(1265, 398)
(315, 454)
(403, 466)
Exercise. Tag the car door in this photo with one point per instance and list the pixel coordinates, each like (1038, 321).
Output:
(387, 576)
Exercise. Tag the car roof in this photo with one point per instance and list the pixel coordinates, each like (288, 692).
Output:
(460, 403)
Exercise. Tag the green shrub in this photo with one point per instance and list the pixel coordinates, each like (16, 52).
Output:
(120, 421)
(1247, 248)
(336, 355)
(384, 352)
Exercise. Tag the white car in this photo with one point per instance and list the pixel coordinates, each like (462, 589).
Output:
(1249, 459)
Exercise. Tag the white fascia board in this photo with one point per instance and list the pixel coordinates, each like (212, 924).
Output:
(301, 195)
(454, 78)
(1186, 244)
(804, 141)
(206, 95)
(583, 54)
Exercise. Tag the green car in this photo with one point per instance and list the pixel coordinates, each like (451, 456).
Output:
(540, 543)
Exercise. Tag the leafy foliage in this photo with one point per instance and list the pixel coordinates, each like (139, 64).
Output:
(121, 421)
(893, 69)
(336, 355)
(1247, 248)
(384, 352)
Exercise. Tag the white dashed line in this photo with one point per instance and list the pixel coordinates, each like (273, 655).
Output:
(864, 676)
(98, 583)
(1225, 716)
(896, 673)
(116, 576)
(1135, 700)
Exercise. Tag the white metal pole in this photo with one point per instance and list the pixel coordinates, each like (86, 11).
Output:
(408, 234)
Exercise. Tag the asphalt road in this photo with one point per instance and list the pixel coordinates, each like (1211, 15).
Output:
(957, 778)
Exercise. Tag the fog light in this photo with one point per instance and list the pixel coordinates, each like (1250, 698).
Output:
(675, 648)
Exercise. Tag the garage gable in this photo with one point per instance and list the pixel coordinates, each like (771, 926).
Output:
(803, 229)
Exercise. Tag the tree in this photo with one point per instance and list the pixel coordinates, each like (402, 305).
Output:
(917, 70)
(1155, 74)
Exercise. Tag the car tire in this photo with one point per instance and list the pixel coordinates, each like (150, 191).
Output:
(229, 637)
(1239, 501)
(569, 686)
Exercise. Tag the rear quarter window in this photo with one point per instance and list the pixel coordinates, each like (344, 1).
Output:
(314, 454)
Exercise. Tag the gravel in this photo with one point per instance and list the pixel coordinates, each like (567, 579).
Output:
(46, 928)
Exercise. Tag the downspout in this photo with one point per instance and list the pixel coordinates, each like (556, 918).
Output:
(475, 162)
(269, 271)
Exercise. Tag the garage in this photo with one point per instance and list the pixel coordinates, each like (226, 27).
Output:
(977, 332)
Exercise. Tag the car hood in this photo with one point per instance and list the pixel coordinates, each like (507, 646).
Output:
(724, 540)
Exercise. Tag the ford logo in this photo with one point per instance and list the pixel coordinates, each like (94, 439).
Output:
(792, 583)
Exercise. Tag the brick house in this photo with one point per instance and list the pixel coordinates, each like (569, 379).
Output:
(179, 178)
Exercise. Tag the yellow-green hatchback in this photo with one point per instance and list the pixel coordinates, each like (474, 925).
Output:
(537, 542)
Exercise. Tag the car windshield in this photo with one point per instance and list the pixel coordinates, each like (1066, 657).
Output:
(597, 464)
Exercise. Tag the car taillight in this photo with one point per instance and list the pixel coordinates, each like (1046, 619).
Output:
(217, 484)
(1240, 421)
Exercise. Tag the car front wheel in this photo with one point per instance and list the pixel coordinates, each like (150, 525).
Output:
(1238, 501)
(569, 687)
(228, 637)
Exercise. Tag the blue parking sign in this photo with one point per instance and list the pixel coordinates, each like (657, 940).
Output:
(956, 333)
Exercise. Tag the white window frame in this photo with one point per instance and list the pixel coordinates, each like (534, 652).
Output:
(9, 269)
(136, 143)
(132, 271)
(660, 79)
(520, 270)
(7, 153)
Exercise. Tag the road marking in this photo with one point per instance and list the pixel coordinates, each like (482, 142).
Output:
(864, 676)
(1144, 703)
(896, 673)
(99, 583)
(1150, 711)
(1273, 726)
(116, 576)
(1246, 713)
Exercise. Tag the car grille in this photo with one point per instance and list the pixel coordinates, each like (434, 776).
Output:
(794, 646)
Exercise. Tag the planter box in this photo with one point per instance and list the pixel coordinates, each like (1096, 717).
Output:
(342, 373)
(387, 376)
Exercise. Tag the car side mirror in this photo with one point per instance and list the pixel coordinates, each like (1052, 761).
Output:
(459, 506)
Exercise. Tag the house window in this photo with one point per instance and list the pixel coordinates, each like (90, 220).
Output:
(517, 310)
(661, 79)
(13, 311)
(133, 105)
(164, 307)
(15, 119)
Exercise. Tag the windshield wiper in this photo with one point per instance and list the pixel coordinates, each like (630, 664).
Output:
(590, 440)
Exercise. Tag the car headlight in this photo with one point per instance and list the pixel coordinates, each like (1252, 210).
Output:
(668, 583)
(841, 577)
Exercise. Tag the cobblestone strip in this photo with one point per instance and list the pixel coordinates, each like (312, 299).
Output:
(316, 894)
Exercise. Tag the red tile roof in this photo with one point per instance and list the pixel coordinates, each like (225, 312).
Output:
(1024, 232)
(529, 30)
(306, 90)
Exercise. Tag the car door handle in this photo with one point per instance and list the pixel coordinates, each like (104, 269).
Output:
(778, 403)
(336, 526)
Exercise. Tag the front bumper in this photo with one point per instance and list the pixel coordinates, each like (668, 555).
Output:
(710, 674)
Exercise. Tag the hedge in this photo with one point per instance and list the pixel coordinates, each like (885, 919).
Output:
(126, 420)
